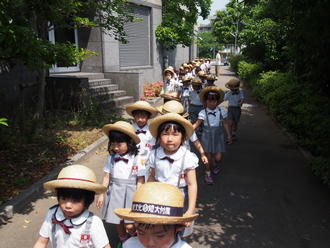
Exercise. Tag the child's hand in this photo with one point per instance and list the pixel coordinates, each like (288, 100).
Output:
(100, 201)
(229, 141)
(188, 224)
(204, 159)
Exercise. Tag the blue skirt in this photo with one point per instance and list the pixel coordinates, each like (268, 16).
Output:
(213, 139)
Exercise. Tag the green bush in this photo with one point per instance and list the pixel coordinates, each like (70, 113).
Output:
(301, 111)
(234, 60)
(321, 167)
(247, 71)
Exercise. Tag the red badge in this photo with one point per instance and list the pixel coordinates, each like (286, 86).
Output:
(85, 238)
(135, 170)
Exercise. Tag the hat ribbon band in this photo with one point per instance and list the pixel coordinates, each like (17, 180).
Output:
(163, 210)
(75, 179)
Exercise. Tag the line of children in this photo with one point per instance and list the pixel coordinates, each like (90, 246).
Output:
(163, 152)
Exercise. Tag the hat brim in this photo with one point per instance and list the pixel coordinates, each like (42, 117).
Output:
(211, 88)
(113, 127)
(126, 214)
(133, 107)
(67, 183)
(170, 97)
(172, 117)
(160, 110)
(228, 86)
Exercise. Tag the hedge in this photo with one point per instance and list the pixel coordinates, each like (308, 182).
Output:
(297, 108)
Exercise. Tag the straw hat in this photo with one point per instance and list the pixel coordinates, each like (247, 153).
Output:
(156, 203)
(171, 95)
(211, 78)
(141, 105)
(185, 79)
(169, 69)
(196, 81)
(78, 177)
(211, 88)
(233, 83)
(172, 107)
(124, 127)
(201, 73)
(173, 117)
(185, 65)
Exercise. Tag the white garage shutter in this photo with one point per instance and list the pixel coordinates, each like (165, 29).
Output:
(137, 51)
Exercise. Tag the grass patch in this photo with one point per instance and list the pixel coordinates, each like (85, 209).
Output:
(25, 158)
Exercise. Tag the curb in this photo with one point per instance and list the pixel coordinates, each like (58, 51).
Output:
(19, 201)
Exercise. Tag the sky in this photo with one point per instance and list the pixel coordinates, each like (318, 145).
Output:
(216, 5)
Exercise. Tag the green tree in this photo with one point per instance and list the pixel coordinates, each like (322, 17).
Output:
(207, 45)
(179, 19)
(228, 23)
(24, 26)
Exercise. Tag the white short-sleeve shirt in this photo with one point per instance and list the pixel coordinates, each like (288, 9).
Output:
(194, 98)
(98, 237)
(214, 120)
(233, 99)
(123, 170)
(167, 172)
(147, 141)
(171, 85)
(134, 242)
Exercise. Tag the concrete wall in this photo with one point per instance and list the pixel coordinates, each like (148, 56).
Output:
(91, 39)
(124, 76)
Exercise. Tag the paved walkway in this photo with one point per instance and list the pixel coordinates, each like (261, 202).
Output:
(265, 195)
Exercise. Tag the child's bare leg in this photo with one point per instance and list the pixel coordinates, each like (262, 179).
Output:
(230, 127)
(217, 160)
(208, 178)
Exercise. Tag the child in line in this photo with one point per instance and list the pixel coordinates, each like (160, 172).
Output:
(172, 162)
(210, 79)
(69, 223)
(185, 90)
(235, 98)
(160, 224)
(176, 107)
(214, 127)
(142, 112)
(170, 82)
(123, 173)
(196, 104)
(187, 70)
(201, 74)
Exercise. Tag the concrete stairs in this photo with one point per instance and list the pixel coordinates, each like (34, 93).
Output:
(106, 93)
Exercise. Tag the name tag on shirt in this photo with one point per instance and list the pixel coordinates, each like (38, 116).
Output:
(134, 170)
(182, 180)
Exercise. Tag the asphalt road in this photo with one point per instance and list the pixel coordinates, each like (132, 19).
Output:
(264, 196)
